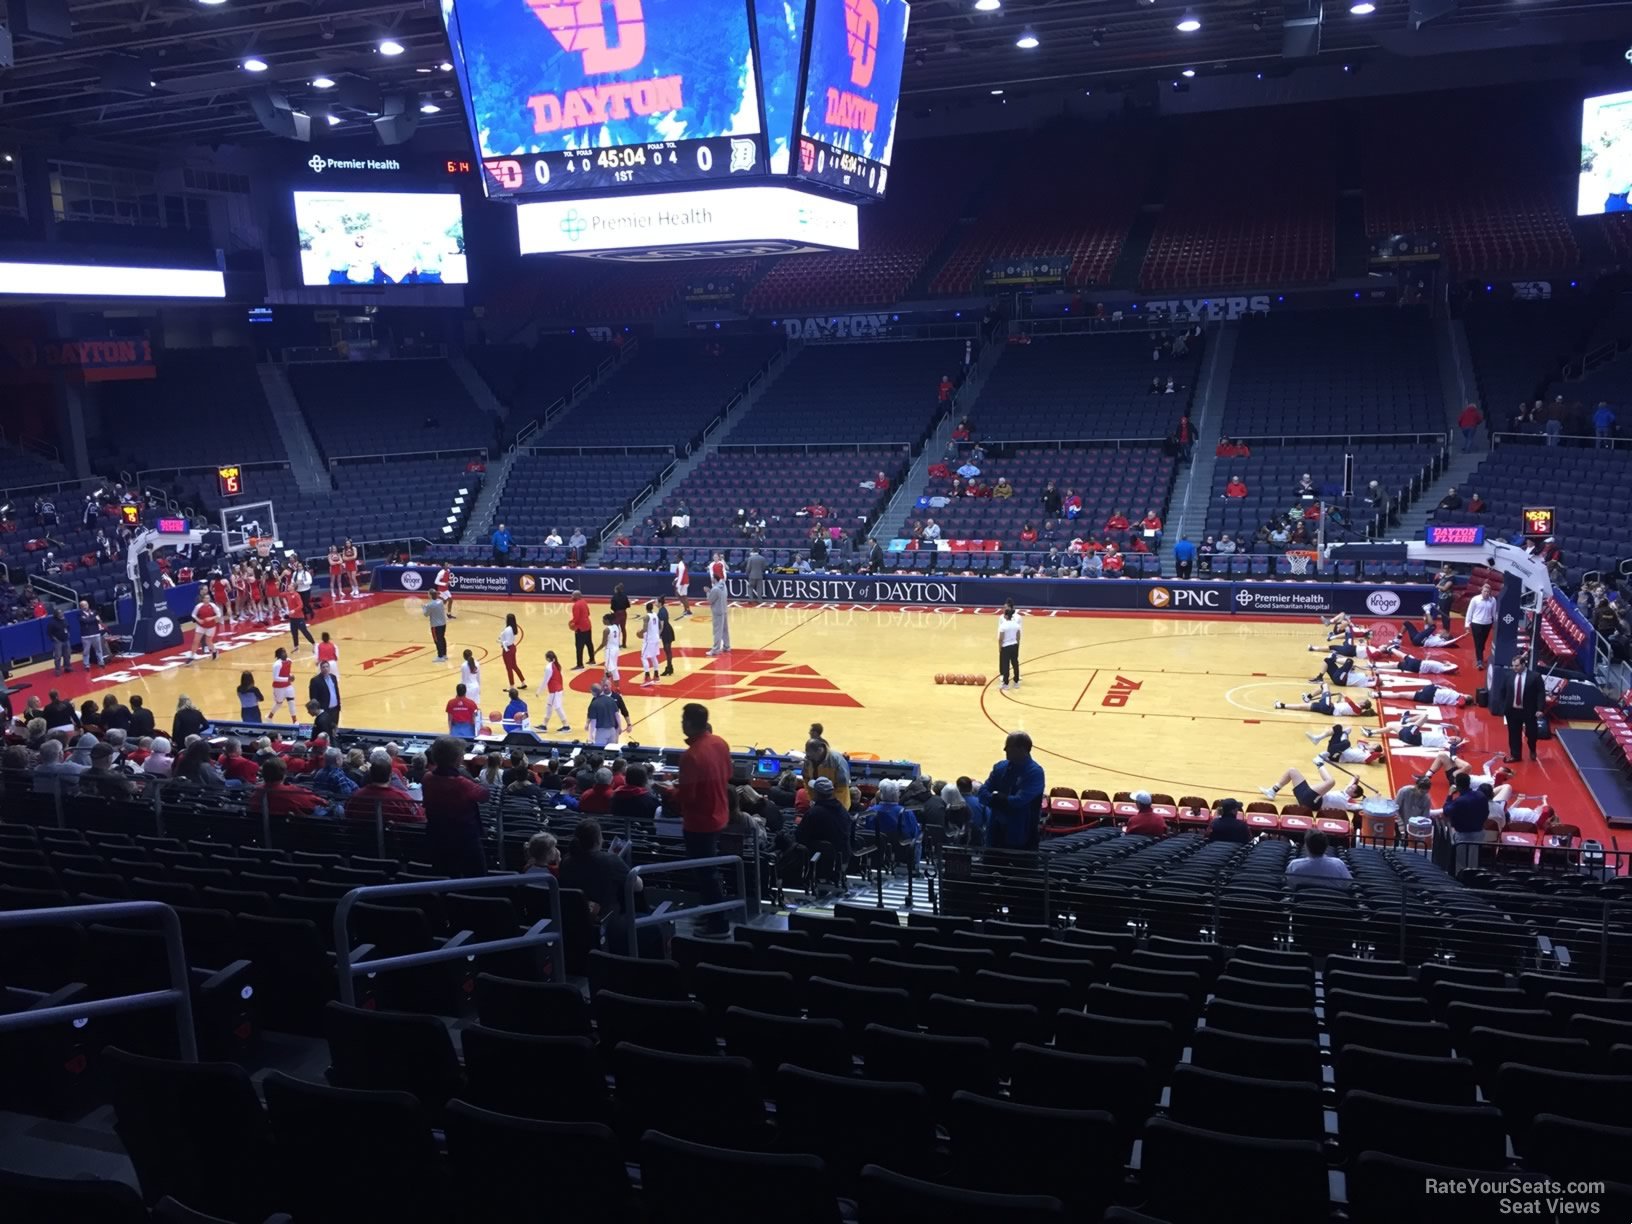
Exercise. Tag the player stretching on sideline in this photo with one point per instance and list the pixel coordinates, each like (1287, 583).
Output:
(1430, 694)
(336, 568)
(206, 618)
(1415, 730)
(283, 684)
(1008, 646)
(552, 685)
(1428, 638)
(1409, 665)
(1339, 671)
(1332, 707)
(1321, 796)
(1341, 750)
(348, 557)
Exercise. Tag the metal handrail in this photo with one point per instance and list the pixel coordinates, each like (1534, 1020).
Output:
(457, 946)
(384, 456)
(1511, 436)
(178, 995)
(1439, 436)
(663, 913)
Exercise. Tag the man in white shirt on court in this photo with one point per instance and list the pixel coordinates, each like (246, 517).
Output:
(1480, 616)
(1008, 646)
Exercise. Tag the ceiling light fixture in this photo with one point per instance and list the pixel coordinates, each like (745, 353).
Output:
(996, 92)
(255, 65)
(322, 82)
(1188, 72)
(429, 108)
(392, 47)
(1027, 40)
(211, 3)
(1362, 8)
(445, 66)
(1189, 23)
(988, 6)
(333, 120)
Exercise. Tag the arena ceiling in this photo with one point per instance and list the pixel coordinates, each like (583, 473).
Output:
(171, 72)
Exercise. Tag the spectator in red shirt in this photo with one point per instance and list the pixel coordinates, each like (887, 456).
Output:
(1028, 534)
(962, 431)
(378, 793)
(235, 766)
(1236, 488)
(1469, 423)
(283, 798)
(597, 800)
(463, 714)
(582, 634)
(943, 393)
(1146, 821)
(1138, 545)
(1112, 562)
(1117, 522)
(705, 795)
(453, 823)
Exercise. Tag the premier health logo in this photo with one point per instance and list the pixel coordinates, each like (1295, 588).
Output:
(573, 225)
(317, 163)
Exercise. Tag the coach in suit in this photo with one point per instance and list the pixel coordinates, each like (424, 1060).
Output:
(1521, 694)
(755, 569)
(324, 688)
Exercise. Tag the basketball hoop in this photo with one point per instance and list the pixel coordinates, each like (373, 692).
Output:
(1301, 561)
(261, 546)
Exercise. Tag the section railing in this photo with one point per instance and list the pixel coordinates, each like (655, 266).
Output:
(352, 963)
(177, 995)
(664, 913)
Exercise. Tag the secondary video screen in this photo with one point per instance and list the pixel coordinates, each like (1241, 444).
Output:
(1606, 155)
(380, 238)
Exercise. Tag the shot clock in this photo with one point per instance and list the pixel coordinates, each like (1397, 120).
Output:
(1538, 522)
(230, 479)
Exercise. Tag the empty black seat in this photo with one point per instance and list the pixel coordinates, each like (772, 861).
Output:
(1570, 1149)
(546, 1009)
(1286, 1058)
(493, 1157)
(942, 1064)
(1154, 1041)
(1467, 1135)
(1263, 1108)
(1295, 1023)
(720, 987)
(1385, 1007)
(1409, 1077)
(690, 1096)
(768, 1040)
(555, 1079)
(630, 975)
(1405, 1036)
(678, 1025)
(1060, 1079)
(392, 1051)
(1003, 1025)
(678, 1177)
(1007, 1147)
(848, 1121)
(1256, 993)
(1184, 1169)
(24, 1197)
(859, 1006)
(1525, 1093)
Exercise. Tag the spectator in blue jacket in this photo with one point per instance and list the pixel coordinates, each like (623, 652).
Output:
(888, 817)
(1603, 425)
(1184, 557)
(1014, 794)
(501, 545)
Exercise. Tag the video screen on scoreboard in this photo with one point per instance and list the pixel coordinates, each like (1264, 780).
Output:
(567, 95)
(1606, 155)
(380, 238)
(852, 92)
(780, 28)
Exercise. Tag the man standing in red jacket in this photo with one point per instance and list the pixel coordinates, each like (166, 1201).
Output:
(1469, 423)
(580, 625)
(706, 798)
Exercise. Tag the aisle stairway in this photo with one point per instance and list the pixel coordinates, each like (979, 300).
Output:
(305, 460)
(1188, 510)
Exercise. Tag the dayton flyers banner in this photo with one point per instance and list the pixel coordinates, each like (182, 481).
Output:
(1084, 594)
(854, 84)
(552, 75)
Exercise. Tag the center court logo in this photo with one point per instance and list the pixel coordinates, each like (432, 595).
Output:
(412, 580)
(1383, 603)
(755, 676)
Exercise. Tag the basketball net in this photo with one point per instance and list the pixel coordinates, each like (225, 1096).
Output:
(261, 546)
(1301, 560)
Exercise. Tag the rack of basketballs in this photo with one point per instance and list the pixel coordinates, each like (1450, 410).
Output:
(949, 678)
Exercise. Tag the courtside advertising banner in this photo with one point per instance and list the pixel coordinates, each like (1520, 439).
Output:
(1066, 594)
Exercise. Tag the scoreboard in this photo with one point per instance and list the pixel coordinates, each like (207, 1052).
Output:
(1538, 522)
(620, 96)
(230, 479)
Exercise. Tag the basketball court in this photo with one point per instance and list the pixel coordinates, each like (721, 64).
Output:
(1111, 701)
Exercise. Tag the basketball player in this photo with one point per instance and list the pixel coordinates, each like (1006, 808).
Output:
(716, 570)
(1321, 796)
(336, 568)
(1339, 671)
(510, 638)
(283, 684)
(326, 652)
(348, 557)
(1539, 820)
(552, 686)
(651, 646)
(221, 594)
(682, 580)
(1412, 665)
(611, 643)
(1332, 707)
(1435, 695)
(1346, 649)
(271, 595)
(1341, 750)
(1008, 645)
(444, 590)
(1415, 730)
(206, 619)
(1428, 638)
